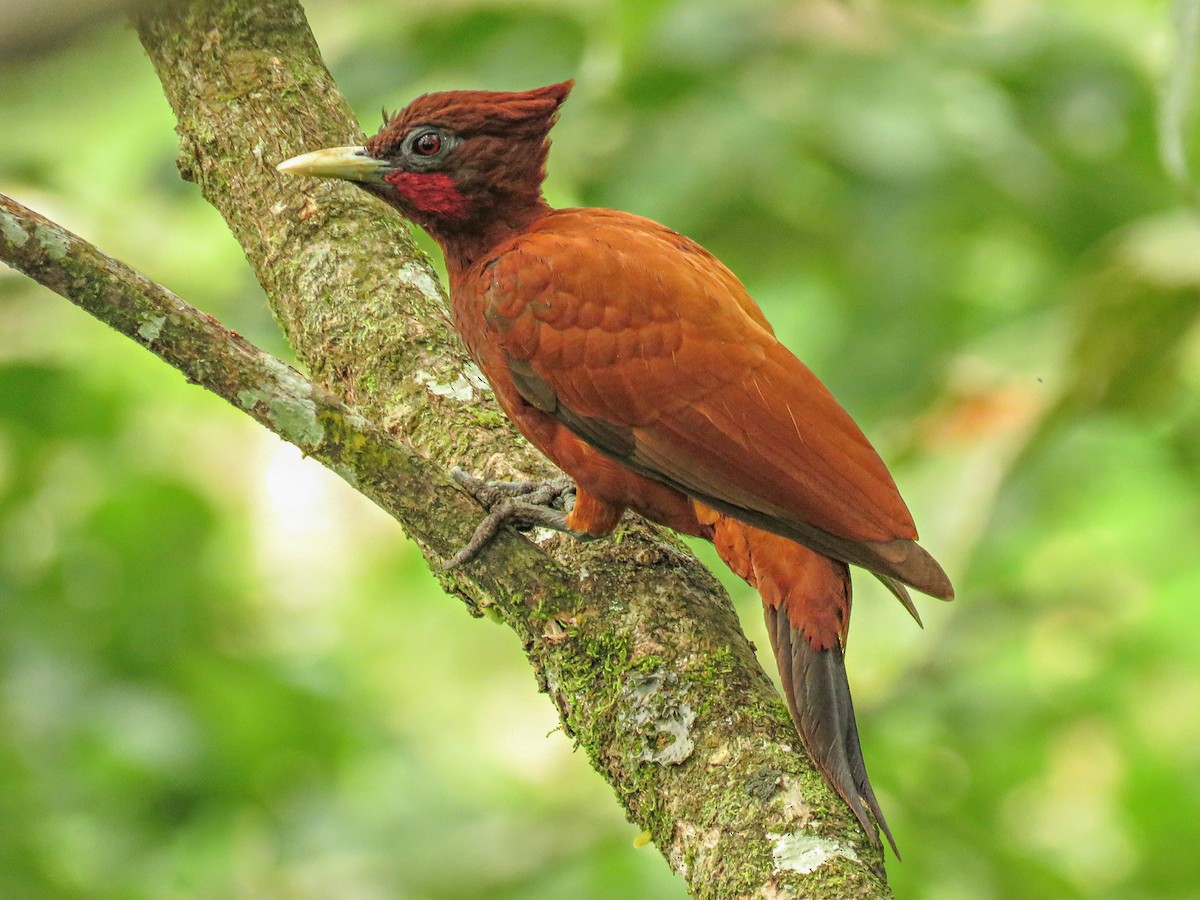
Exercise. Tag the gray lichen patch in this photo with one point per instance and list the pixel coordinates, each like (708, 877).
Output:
(423, 280)
(288, 406)
(150, 329)
(793, 802)
(462, 388)
(10, 227)
(805, 853)
(662, 719)
(297, 419)
(55, 243)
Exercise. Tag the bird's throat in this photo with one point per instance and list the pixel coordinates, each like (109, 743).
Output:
(478, 239)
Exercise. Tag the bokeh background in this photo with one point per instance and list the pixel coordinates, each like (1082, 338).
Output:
(223, 674)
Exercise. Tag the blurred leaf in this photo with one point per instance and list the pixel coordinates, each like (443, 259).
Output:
(1137, 310)
(1179, 94)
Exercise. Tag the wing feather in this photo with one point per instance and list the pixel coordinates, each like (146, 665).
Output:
(647, 347)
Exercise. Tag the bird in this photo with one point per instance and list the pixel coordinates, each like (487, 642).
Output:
(641, 366)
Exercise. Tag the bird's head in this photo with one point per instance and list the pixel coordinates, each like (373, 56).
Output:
(452, 161)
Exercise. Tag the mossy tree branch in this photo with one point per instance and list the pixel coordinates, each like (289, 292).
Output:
(635, 642)
(388, 471)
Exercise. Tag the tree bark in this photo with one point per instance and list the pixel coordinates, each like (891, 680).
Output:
(634, 641)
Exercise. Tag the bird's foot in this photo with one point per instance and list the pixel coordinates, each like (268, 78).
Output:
(521, 504)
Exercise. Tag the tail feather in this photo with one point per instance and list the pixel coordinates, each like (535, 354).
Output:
(900, 592)
(807, 600)
(818, 696)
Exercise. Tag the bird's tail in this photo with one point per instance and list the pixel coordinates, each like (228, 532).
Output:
(806, 598)
(818, 695)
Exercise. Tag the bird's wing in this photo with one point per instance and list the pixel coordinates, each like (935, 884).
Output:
(649, 349)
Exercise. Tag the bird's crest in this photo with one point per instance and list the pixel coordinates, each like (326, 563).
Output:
(519, 115)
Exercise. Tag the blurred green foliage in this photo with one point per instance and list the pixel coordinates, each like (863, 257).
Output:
(222, 674)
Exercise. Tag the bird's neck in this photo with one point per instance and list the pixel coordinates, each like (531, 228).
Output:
(464, 247)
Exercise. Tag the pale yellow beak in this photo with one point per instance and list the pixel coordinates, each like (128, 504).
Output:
(346, 163)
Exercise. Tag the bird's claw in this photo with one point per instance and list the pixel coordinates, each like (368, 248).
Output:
(521, 504)
(558, 493)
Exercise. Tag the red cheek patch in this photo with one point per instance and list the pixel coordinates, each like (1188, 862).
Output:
(430, 192)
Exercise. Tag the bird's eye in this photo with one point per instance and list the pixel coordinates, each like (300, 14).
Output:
(427, 143)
